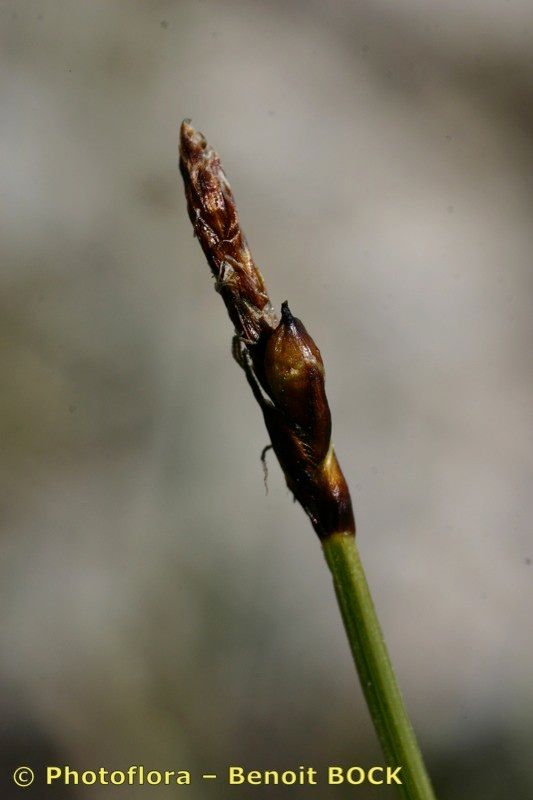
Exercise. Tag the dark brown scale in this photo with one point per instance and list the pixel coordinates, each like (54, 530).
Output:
(213, 213)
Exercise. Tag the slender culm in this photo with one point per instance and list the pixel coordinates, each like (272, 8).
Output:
(285, 371)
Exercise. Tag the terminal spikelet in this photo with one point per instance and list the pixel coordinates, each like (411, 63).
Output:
(282, 363)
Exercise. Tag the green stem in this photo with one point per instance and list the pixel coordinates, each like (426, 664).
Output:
(378, 682)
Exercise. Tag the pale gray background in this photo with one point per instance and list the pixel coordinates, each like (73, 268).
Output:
(157, 607)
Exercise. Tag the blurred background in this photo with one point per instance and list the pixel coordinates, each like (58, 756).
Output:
(157, 607)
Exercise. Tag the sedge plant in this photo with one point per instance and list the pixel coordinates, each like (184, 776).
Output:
(285, 371)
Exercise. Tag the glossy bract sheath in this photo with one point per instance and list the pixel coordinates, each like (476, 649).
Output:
(299, 424)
